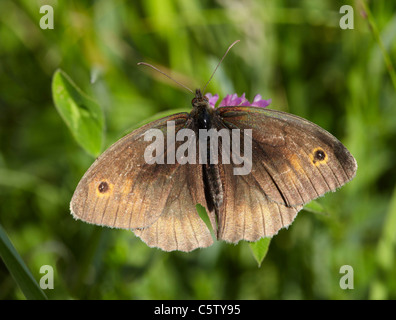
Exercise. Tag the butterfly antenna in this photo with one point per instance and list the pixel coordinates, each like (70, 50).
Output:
(229, 48)
(156, 69)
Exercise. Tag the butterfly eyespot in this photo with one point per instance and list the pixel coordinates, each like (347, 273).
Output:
(318, 156)
(103, 187)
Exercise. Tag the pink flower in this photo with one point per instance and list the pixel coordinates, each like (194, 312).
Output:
(234, 101)
(212, 99)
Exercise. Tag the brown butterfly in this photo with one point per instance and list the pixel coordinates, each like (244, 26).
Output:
(293, 161)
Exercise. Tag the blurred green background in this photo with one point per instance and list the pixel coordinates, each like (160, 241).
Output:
(293, 52)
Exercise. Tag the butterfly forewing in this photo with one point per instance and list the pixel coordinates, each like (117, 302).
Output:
(122, 190)
(293, 160)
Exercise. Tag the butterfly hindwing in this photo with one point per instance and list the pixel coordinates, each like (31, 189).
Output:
(180, 227)
(248, 214)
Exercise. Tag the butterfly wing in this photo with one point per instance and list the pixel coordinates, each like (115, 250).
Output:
(158, 201)
(293, 162)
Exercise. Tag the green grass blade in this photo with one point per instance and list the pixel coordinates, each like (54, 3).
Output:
(377, 36)
(18, 269)
(82, 115)
(260, 249)
(386, 249)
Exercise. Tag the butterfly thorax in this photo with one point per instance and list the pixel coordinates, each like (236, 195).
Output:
(202, 113)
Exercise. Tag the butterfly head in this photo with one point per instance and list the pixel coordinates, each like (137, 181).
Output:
(200, 101)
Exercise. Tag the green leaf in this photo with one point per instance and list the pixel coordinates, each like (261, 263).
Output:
(18, 269)
(82, 115)
(315, 207)
(204, 216)
(260, 249)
